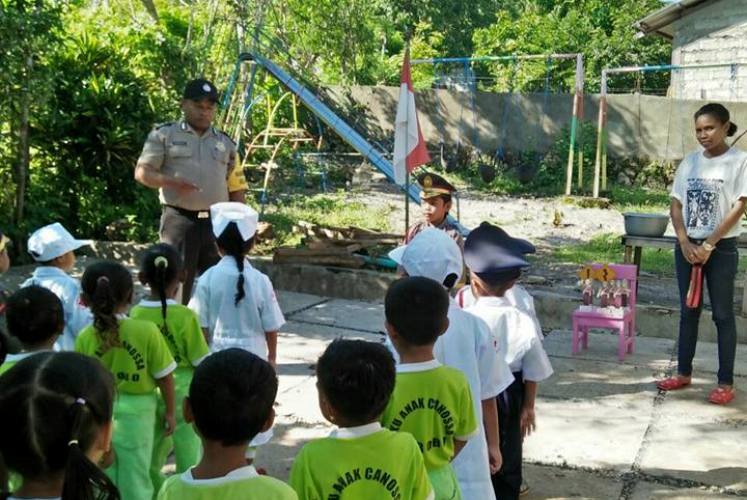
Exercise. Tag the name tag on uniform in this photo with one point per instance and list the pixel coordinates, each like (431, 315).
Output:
(179, 143)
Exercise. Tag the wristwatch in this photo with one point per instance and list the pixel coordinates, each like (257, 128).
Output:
(708, 247)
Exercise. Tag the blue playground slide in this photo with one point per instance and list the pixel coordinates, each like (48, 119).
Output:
(369, 151)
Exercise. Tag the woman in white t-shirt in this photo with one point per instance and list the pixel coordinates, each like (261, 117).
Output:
(708, 200)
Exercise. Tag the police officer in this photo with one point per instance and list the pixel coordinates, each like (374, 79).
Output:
(436, 196)
(193, 165)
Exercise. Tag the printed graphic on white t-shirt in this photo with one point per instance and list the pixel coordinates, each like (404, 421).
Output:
(703, 206)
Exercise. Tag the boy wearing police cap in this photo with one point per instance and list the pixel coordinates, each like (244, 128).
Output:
(436, 196)
(193, 165)
(495, 260)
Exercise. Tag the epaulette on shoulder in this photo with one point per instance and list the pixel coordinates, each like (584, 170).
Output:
(225, 135)
(164, 124)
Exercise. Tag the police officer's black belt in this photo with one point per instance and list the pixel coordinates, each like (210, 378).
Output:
(192, 214)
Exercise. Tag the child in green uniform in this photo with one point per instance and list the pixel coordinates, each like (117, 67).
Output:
(360, 459)
(35, 318)
(138, 356)
(230, 401)
(56, 413)
(430, 401)
(160, 270)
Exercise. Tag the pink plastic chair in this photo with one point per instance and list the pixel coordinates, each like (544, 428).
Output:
(625, 324)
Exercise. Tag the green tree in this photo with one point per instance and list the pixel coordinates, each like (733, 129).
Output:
(600, 29)
(28, 29)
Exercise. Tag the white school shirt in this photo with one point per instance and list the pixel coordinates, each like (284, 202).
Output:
(469, 346)
(67, 288)
(517, 296)
(708, 188)
(517, 338)
(243, 325)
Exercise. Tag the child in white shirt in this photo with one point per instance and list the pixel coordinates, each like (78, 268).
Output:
(495, 262)
(469, 346)
(236, 303)
(53, 248)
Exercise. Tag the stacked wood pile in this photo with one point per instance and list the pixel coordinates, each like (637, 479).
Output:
(335, 246)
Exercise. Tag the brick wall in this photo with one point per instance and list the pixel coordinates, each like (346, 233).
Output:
(715, 33)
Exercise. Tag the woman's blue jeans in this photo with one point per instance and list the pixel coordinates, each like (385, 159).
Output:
(719, 273)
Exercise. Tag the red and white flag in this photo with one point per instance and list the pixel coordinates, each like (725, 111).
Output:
(409, 146)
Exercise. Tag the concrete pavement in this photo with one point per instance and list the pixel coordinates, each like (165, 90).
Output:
(604, 430)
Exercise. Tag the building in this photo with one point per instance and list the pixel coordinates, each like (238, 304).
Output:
(709, 43)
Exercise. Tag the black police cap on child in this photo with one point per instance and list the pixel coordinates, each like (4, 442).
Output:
(489, 249)
(199, 89)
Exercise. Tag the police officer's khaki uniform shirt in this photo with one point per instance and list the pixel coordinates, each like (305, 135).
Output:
(208, 161)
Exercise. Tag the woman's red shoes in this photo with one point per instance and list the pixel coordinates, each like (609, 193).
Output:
(672, 384)
(722, 395)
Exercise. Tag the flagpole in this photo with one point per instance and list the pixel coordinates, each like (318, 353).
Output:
(407, 204)
(407, 173)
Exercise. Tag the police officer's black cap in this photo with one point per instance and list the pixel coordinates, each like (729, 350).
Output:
(199, 89)
(433, 185)
(494, 255)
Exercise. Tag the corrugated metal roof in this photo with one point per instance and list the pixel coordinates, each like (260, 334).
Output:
(660, 22)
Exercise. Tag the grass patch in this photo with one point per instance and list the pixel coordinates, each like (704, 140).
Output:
(329, 209)
(607, 248)
(636, 199)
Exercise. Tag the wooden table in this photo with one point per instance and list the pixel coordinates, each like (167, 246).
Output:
(634, 247)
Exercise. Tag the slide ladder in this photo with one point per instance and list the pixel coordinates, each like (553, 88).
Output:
(372, 153)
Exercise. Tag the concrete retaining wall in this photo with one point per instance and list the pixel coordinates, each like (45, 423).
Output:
(554, 309)
(640, 126)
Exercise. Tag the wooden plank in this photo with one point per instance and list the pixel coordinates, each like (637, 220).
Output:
(641, 241)
(289, 251)
(662, 242)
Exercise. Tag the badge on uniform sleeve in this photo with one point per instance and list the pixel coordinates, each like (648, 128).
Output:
(220, 147)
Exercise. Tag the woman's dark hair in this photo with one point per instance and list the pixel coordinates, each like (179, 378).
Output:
(161, 266)
(34, 315)
(357, 378)
(417, 308)
(719, 112)
(231, 396)
(106, 285)
(52, 407)
(233, 244)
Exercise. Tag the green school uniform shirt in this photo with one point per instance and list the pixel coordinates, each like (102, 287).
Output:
(433, 403)
(140, 359)
(183, 336)
(240, 484)
(366, 462)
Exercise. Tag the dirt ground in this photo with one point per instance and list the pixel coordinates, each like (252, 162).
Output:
(532, 219)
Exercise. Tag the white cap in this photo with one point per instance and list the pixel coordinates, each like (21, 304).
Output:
(52, 241)
(224, 213)
(432, 254)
